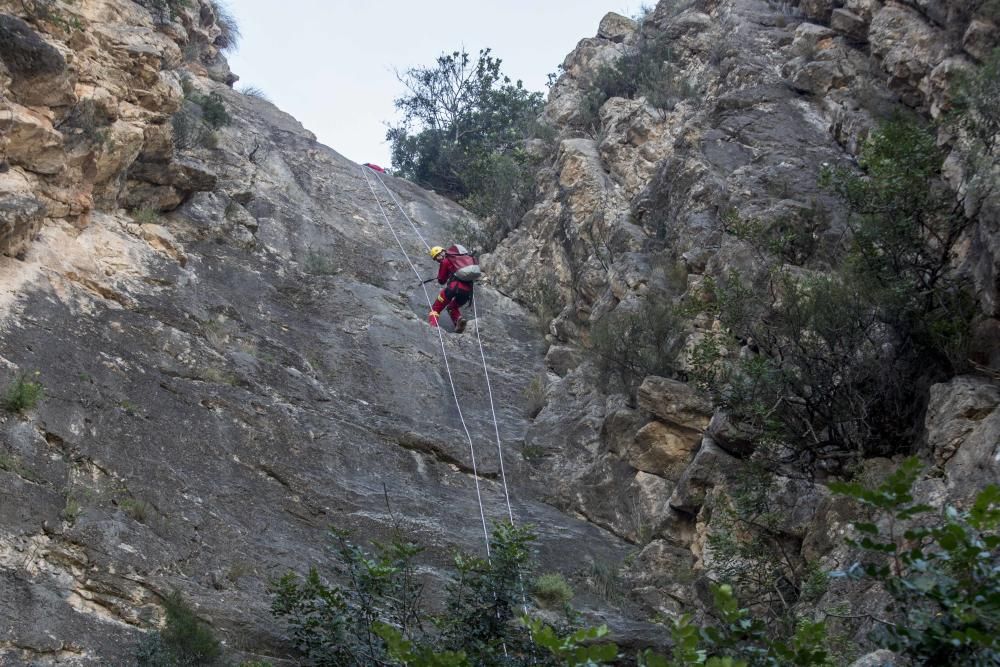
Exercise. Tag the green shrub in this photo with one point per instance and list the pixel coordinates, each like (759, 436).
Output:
(195, 122)
(71, 510)
(164, 11)
(464, 128)
(88, 121)
(146, 215)
(184, 641)
(13, 464)
(942, 569)
(837, 365)
(501, 190)
(605, 580)
(646, 69)
(24, 394)
(320, 262)
(552, 591)
(544, 299)
(534, 396)
(213, 111)
(47, 11)
(477, 237)
(633, 343)
(750, 552)
(137, 509)
(347, 625)
(188, 129)
(254, 91)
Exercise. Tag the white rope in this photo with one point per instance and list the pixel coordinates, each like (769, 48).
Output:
(496, 427)
(486, 374)
(482, 354)
(401, 209)
(444, 354)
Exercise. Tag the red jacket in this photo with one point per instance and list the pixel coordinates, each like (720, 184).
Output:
(445, 271)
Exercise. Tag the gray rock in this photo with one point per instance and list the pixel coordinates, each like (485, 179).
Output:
(880, 658)
(616, 27)
(818, 10)
(20, 219)
(963, 431)
(38, 69)
(730, 436)
(562, 359)
(24, 52)
(850, 24)
(711, 467)
(980, 38)
(675, 402)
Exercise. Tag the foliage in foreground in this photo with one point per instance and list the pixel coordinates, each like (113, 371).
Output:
(381, 612)
(941, 569)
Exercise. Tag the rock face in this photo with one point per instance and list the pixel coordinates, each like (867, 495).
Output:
(234, 352)
(230, 369)
(81, 101)
(636, 206)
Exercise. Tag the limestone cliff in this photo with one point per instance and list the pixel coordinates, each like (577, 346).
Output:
(234, 355)
(234, 352)
(635, 204)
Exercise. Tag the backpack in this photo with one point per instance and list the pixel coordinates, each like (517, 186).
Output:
(466, 267)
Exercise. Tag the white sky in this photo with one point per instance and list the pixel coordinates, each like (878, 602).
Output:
(330, 63)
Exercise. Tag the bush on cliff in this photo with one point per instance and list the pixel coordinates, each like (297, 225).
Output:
(837, 365)
(646, 69)
(184, 641)
(463, 133)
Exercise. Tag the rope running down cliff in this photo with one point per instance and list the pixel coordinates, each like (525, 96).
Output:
(486, 374)
(444, 354)
(482, 353)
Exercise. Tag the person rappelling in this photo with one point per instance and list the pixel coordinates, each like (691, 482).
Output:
(457, 271)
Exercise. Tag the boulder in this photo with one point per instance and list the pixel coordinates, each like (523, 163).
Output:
(662, 449)
(32, 141)
(38, 70)
(980, 38)
(20, 219)
(730, 435)
(710, 468)
(157, 197)
(849, 24)
(616, 27)
(908, 47)
(675, 402)
(963, 432)
(562, 359)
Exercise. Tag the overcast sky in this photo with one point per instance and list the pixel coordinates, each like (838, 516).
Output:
(330, 63)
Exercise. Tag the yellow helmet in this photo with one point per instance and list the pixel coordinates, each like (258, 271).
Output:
(435, 251)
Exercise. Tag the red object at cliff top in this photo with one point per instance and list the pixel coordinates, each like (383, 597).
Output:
(375, 167)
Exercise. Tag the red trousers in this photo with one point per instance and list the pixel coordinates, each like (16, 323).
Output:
(452, 297)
